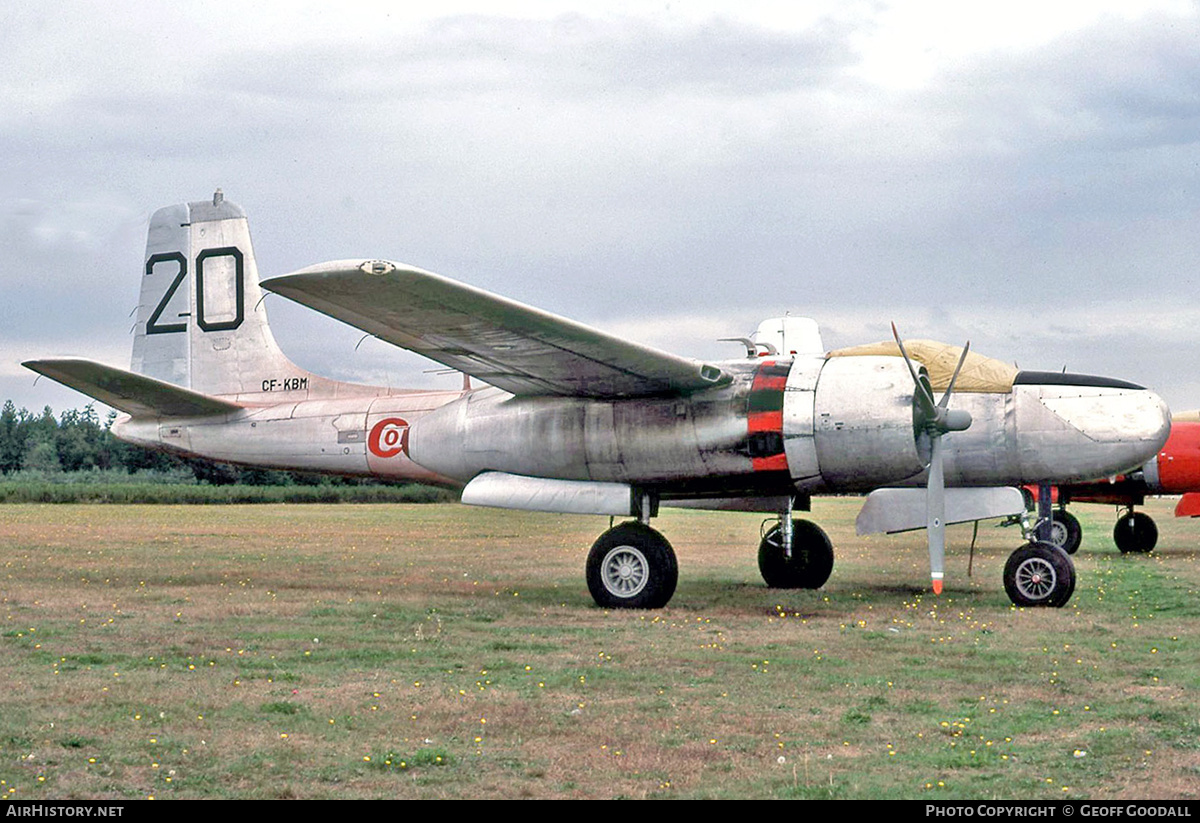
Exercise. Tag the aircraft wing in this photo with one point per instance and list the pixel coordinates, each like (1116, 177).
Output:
(512, 346)
(131, 393)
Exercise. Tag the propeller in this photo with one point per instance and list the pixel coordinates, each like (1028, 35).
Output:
(932, 420)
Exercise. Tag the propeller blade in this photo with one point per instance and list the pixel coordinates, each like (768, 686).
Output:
(928, 404)
(935, 507)
(953, 420)
(954, 379)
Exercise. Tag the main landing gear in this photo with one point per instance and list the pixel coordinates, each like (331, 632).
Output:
(631, 566)
(802, 559)
(1135, 532)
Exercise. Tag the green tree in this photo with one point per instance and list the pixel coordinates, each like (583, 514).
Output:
(11, 447)
(41, 455)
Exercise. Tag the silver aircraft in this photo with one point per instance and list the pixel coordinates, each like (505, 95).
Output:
(576, 420)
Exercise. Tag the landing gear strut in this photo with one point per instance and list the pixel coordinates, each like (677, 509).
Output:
(1059, 527)
(1041, 573)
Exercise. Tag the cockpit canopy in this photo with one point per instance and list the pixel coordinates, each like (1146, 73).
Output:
(979, 373)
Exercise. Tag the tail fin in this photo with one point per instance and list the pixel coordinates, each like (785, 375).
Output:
(201, 323)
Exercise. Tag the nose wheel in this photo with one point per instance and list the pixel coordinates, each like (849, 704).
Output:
(1039, 574)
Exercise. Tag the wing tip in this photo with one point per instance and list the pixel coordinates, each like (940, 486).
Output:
(377, 266)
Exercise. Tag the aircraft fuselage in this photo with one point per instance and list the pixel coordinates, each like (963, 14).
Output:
(813, 426)
(809, 426)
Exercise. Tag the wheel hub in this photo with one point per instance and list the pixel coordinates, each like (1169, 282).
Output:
(1035, 578)
(625, 571)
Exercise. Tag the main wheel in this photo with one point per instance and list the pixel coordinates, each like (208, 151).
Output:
(631, 566)
(1065, 531)
(1135, 532)
(1039, 574)
(811, 562)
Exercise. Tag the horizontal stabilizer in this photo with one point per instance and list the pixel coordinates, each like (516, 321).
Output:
(512, 491)
(510, 345)
(134, 394)
(902, 510)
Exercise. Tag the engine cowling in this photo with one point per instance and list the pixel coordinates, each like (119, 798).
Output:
(848, 423)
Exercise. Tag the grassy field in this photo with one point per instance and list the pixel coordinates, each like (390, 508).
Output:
(434, 651)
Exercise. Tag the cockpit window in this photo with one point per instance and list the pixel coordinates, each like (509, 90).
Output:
(1056, 378)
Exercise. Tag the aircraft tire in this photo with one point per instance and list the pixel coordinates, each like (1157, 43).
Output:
(631, 566)
(1135, 532)
(1039, 574)
(811, 562)
(1065, 531)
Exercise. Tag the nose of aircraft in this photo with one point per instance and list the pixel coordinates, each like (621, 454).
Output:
(1091, 427)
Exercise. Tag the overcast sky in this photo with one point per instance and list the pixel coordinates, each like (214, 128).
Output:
(1024, 175)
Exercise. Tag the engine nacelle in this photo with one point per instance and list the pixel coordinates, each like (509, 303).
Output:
(848, 423)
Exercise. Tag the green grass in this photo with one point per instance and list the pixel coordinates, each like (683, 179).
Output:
(66, 488)
(274, 651)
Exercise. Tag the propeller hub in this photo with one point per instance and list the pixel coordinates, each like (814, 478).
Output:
(954, 420)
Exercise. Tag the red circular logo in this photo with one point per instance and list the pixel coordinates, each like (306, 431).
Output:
(388, 437)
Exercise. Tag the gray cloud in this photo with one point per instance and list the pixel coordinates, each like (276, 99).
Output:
(630, 171)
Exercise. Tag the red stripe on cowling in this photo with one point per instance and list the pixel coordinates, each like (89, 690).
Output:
(768, 381)
(777, 462)
(771, 421)
(758, 422)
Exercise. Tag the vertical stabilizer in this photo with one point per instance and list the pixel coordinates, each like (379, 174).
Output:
(201, 322)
